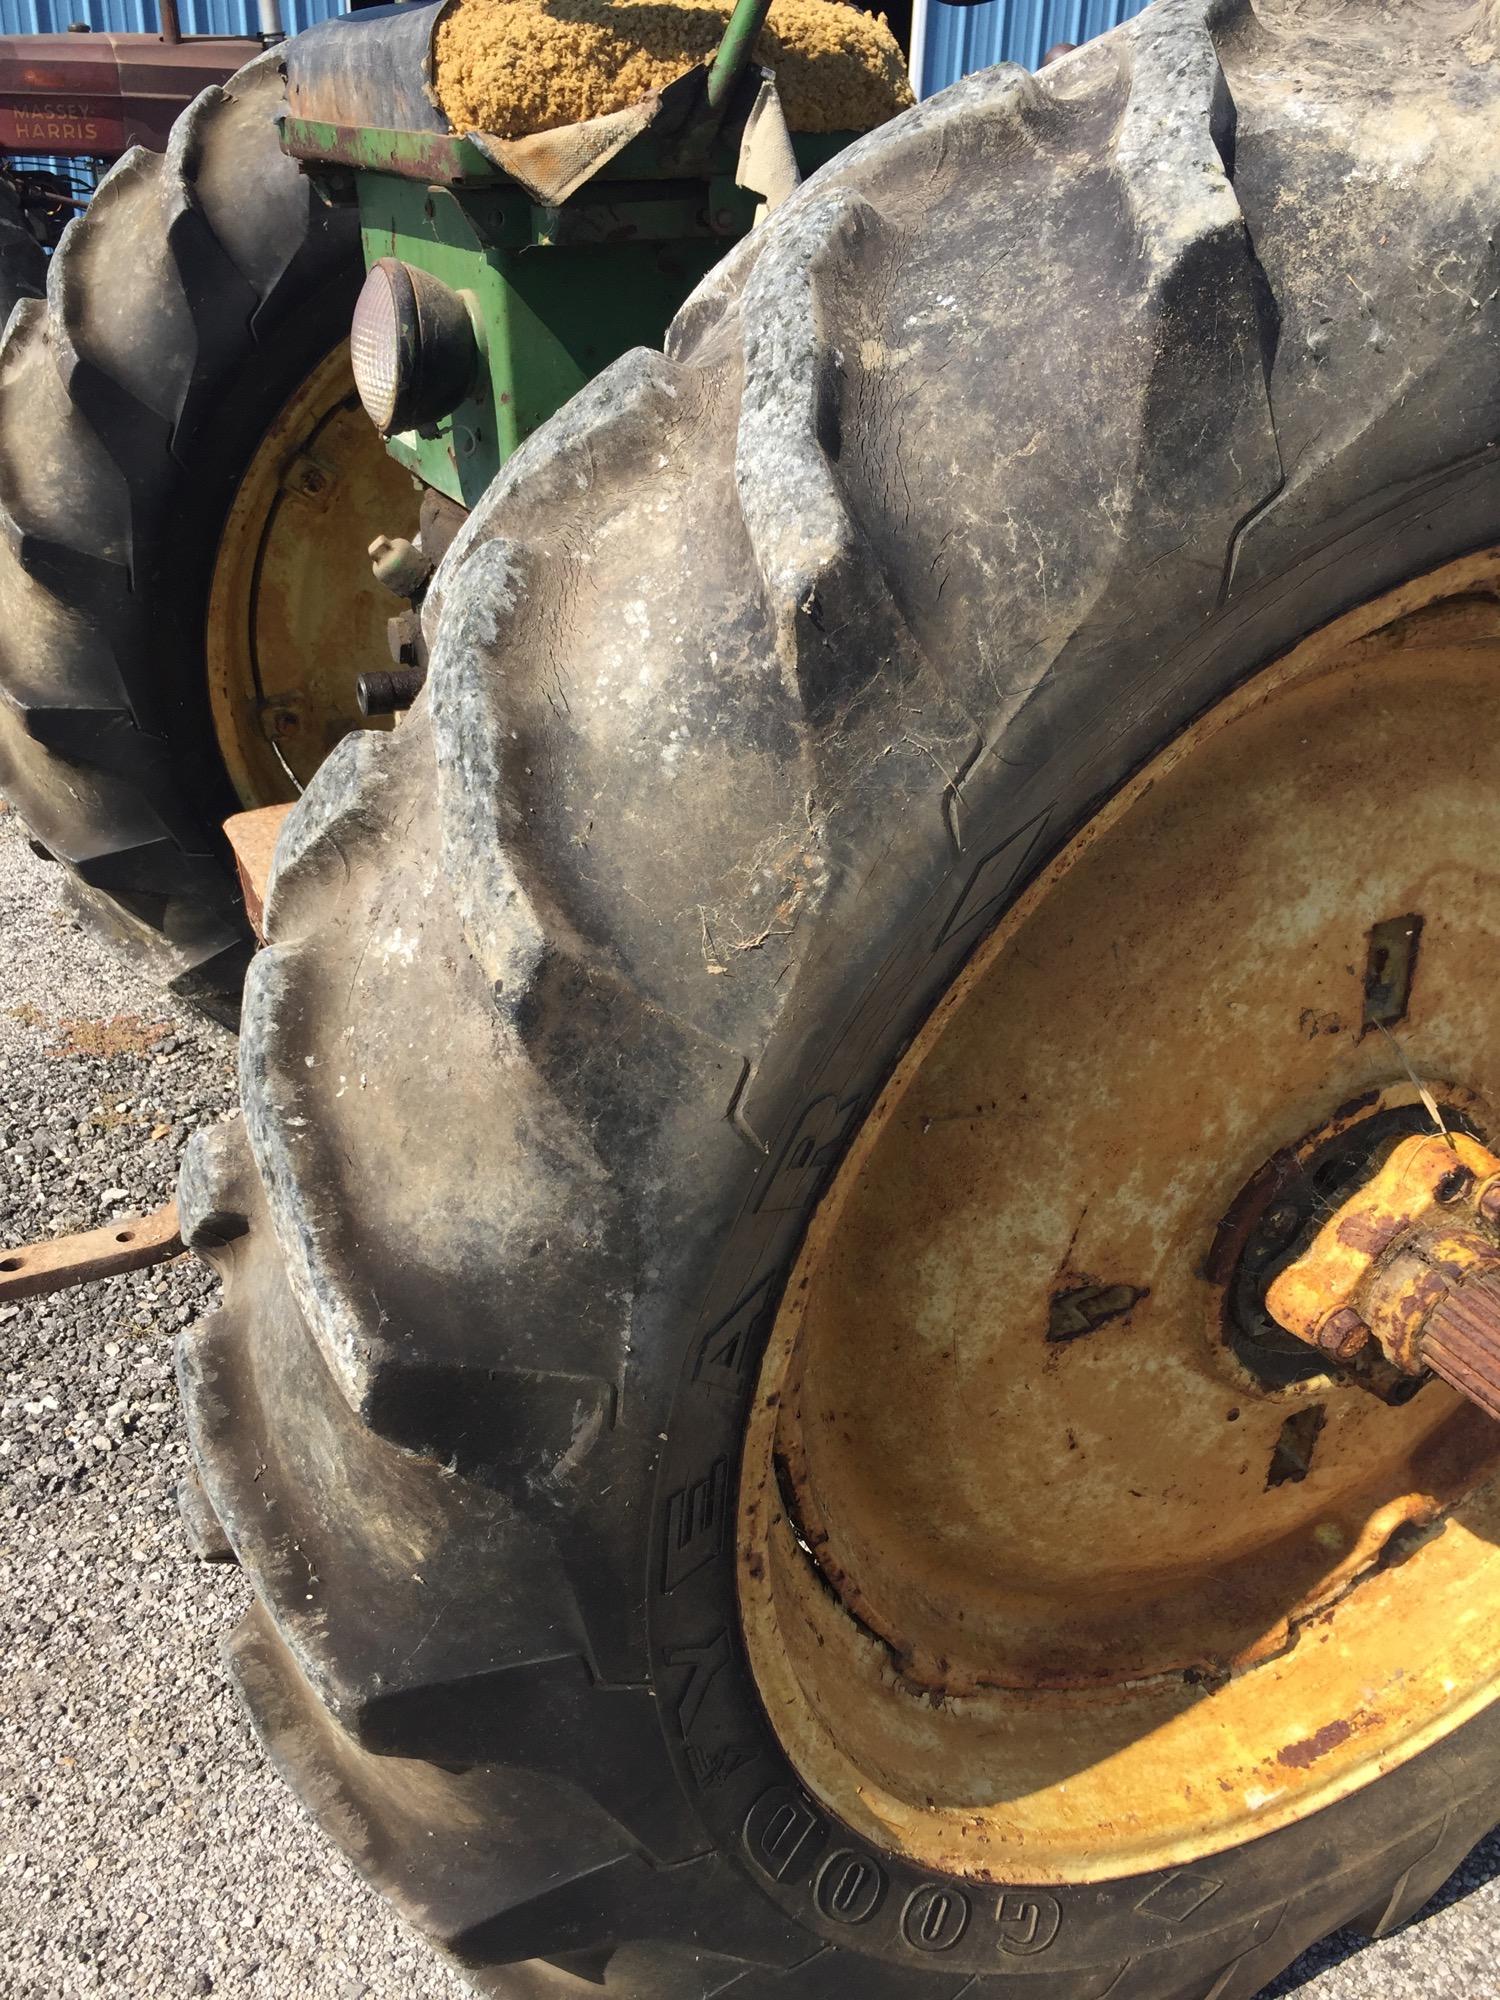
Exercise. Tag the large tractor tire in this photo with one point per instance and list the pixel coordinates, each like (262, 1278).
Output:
(732, 1387)
(187, 487)
(23, 262)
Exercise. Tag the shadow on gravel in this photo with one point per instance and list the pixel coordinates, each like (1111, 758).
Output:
(1482, 1866)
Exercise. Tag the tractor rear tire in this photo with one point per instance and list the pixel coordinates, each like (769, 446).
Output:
(183, 307)
(23, 262)
(765, 679)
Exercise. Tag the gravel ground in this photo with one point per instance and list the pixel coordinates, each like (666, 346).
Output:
(145, 1846)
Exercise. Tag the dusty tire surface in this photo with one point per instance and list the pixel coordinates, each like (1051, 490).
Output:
(764, 679)
(181, 307)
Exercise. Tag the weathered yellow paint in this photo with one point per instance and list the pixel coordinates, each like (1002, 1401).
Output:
(1043, 1615)
(294, 614)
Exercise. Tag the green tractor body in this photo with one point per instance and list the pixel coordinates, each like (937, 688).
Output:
(565, 250)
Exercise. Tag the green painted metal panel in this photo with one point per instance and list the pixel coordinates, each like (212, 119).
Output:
(550, 310)
(555, 293)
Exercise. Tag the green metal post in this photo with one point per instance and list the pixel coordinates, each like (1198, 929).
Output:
(732, 54)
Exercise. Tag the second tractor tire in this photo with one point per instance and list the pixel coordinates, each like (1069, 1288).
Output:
(183, 307)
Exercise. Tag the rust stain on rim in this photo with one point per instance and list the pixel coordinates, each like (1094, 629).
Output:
(1299, 1756)
(294, 613)
(1035, 1609)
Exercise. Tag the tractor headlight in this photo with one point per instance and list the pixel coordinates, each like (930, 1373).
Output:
(412, 346)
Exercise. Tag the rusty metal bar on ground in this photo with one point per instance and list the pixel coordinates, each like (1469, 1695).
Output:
(136, 1241)
(127, 1245)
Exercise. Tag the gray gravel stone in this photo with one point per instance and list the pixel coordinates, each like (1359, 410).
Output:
(145, 1845)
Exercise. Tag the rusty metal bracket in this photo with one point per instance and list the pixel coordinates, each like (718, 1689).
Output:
(252, 838)
(127, 1245)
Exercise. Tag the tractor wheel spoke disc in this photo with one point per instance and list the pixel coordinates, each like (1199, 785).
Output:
(1040, 1579)
(295, 615)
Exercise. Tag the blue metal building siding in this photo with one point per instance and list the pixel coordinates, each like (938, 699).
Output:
(960, 39)
(123, 17)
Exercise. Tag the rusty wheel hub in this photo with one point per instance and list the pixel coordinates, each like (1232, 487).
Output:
(1064, 1551)
(1408, 1269)
(1274, 1220)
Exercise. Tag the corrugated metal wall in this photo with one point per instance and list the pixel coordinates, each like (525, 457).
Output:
(199, 17)
(959, 39)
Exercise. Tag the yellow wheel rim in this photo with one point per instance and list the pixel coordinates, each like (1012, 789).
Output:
(1040, 1580)
(294, 614)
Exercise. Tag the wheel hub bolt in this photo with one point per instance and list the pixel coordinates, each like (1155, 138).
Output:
(1343, 1334)
(388, 693)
